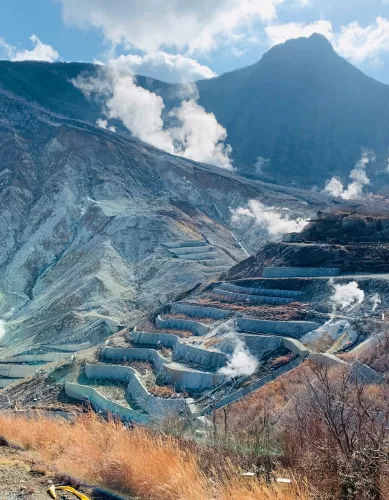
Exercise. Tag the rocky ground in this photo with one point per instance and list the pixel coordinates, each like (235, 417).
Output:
(84, 214)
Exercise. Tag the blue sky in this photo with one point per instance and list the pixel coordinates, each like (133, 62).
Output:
(183, 40)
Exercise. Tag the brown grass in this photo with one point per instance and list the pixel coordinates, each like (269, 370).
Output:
(133, 462)
(162, 391)
(293, 311)
(151, 328)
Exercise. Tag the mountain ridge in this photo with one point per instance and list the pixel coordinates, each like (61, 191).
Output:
(301, 110)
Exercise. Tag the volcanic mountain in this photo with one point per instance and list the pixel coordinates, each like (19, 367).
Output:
(302, 110)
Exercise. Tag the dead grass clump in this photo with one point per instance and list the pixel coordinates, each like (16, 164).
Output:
(162, 391)
(143, 367)
(282, 360)
(136, 462)
(211, 343)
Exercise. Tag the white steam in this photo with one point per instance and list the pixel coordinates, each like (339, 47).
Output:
(347, 297)
(358, 177)
(2, 328)
(270, 219)
(376, 301)
(241, 363)
(198, 136)
(104, 124)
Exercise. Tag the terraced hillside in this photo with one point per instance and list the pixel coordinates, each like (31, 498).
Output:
(187, 358)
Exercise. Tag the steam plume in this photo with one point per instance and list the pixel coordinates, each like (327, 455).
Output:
(358, 177)
(198, 136)
(242, 363)
(270, 219)
(347, 297)
(376, 301)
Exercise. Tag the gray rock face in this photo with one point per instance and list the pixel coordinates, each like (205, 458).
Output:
(84, 214)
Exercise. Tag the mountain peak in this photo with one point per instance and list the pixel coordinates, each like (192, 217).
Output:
(316, 42)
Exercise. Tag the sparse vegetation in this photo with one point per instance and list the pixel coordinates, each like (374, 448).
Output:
(137, 462)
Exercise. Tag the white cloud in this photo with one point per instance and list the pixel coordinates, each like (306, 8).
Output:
(40, 51)
(153, 24)
(198, 136)
(164, 66)
(360, 44)
(353, 41)
(280, 33)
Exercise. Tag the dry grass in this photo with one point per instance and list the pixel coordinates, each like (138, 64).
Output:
(162, 391)
(134, 462)
(151, 328)
(293, 311)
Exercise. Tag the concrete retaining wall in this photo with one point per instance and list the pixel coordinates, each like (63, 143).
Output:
(37, 358)
(181, 378)
(199, 256)
(199, 311)
(366, 375)
(193, 380)
(260, 345)
(100, 403)
(186, 243)
(197, 328)
(17, 371)
(235, 396)
(154, 339)
(158, 407)
(190, 250)
(208, 359)
(299, 272)
(229, 287)
(251, 299)
(135, 354)
(326, 359)
(69, 347)
(296, 347)
(287, 328)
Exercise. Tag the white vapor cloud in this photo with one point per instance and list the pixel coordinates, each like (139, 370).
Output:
(40, 51)
(198, 136)
(163, 66)
(104, 124)
(353, 41)
(376, 301)
(183, 24)
(358, 177)
(241, 363)
(2, 328)
(270, 219)
(346, 297)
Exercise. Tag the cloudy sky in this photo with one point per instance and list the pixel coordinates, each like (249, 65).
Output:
(184, 40)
